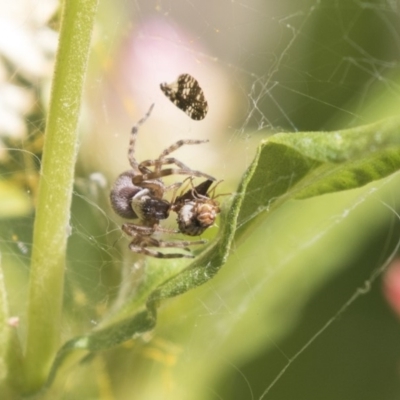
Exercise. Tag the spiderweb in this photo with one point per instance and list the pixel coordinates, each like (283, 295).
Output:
(265, 67)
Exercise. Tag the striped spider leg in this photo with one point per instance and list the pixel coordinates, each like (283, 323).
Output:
(143, 241)
(145, 173)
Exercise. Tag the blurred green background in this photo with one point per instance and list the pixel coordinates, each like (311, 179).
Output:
(266, 67)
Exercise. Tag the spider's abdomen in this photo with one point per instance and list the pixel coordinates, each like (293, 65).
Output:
(121, 195)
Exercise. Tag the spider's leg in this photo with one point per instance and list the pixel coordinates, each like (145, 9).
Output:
(160, 162)
(153, 253)
(156, 187)
(167, 230)
(180, 243)
(143, 169)
(132, 141)
(137, 230)
(137, 180)
(144, 231)
(173, 148)
(179, 144)
(149, 241)
(141, 244)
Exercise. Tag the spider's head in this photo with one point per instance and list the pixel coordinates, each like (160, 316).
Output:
(149, 208)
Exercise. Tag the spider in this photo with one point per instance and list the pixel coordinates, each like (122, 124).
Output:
(139, 194)
(196, 210)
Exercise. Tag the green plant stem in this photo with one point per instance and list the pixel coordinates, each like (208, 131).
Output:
(51, 228)
(4, 332)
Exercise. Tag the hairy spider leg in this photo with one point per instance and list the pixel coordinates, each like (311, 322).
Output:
(157, 254)
(132, 141)
(132, 229)
(137, 180)
(173, 243)
(159, 163)
(142, 240)
(175, 147)
(171, 160)
(161, 160)
(155, 186)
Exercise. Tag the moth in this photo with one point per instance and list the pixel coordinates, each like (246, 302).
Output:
(187, 95)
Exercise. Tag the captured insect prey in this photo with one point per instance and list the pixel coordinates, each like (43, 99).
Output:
(187, 95)
(138, 194)
(196, 210)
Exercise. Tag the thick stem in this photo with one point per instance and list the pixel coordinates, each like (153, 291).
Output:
(51, 227)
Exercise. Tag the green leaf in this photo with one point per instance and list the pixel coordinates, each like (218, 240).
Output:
(286, 166)
(307, 164)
